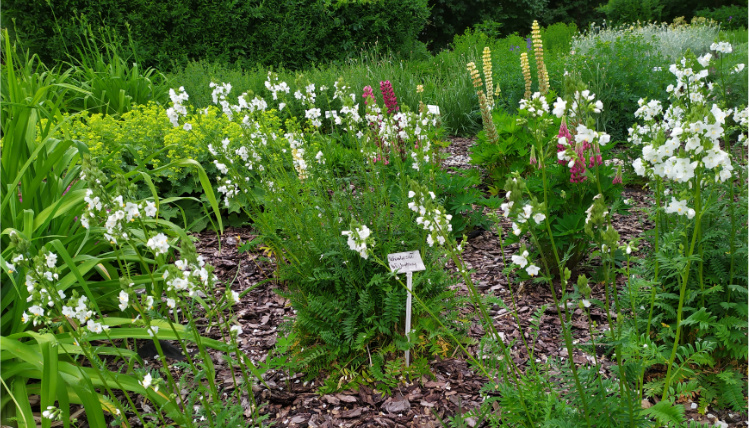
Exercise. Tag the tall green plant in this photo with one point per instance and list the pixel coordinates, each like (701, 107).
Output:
(700, 286)
(52, 311)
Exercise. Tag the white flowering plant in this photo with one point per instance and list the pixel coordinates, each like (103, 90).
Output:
(692, 154)
(567, 171)
(341, 174)
(109, 280)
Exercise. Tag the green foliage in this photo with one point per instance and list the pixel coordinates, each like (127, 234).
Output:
(293, 34)
(613, 61)
(339, 179)
(463, 199)
(666, 413)
(116, 83)
(729, 17)
(628, 11)
(511, 154)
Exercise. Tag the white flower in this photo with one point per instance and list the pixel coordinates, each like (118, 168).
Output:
(722, 47)
(232, 296)
(704, 60)
(124, 299)
(520, 260)
(678, 207)
(171, 303)
(187, 127)
(539, 217)
(560, 106)
(532, 270)
(51, 259)
(150, 209)
(235, 330)
(526, 214)
(221, 167)
(584, 134)
(433, 110)
(516, 229)
(159, 244)
(96, 327)
(153, 330)
(147, 381)
(586, 303)
(36, 311)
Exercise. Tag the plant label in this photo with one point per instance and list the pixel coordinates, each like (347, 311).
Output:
(409, 261)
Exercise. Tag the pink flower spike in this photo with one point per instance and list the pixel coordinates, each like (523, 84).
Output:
(391, 102)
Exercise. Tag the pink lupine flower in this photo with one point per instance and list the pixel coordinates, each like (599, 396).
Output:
(368, 95)
(389, 96)
(618, 177)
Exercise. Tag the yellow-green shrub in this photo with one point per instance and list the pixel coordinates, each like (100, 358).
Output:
(145, 137)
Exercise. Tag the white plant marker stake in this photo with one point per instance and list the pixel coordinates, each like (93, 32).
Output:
(409, 285)
(408, 262)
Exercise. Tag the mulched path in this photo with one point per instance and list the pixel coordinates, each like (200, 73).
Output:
(455, 386)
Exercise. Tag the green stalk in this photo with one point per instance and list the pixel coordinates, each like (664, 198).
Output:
(515, 309)
(655, 252)
(562, 318)
(731, 236)
(683, 286)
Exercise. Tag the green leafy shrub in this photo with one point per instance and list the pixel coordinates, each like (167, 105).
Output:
(512, 153)
(729, 17)
(625, 11)
(296, 34)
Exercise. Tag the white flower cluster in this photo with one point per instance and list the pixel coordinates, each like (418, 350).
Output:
(313, 115)
(41, 282)
(247, 154)
(583, 103)
(521, 260)
(297, 155)
(537, 106)
(522, 215)
(274, 87)
(177, 109)
(117, 215)
(432, 216)
(583, 133)
(189, 278)
(158, 243)
(680, 207)
(721, 47)
(691, 130)
(44, 295)
(359, 237)
(219, 94)
(52, 413)
(308, 97)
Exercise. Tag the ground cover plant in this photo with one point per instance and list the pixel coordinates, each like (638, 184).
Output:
(334, 169)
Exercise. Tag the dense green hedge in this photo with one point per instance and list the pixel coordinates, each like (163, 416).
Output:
(289, 33)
